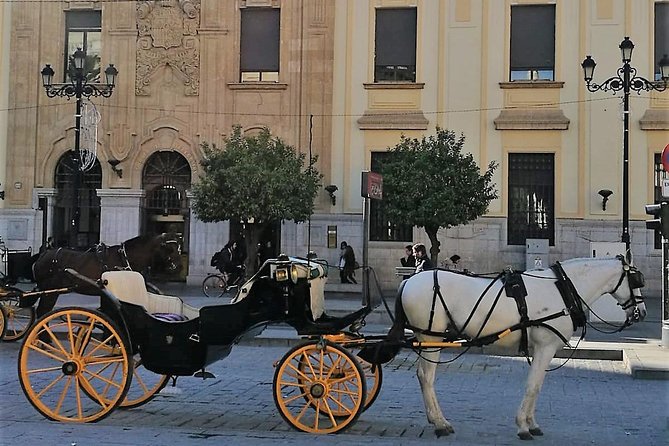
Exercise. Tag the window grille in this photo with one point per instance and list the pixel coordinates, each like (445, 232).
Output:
(531, 197)
(380, 227)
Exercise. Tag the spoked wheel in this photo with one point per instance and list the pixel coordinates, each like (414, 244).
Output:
(214, 285)
(319, 387)
(3, 323)
(19, 320)
(144, 387)
(144, 384)
(74, 365)
(373, 375)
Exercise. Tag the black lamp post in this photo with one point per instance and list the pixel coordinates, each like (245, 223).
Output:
(625, 80)
(78, 88)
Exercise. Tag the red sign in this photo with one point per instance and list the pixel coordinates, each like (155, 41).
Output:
(372, 185)
(665, 158)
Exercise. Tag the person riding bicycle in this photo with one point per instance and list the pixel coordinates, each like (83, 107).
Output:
(227, 262)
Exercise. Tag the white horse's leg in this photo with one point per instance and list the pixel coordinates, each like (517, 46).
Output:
(427, 370)
(527, 426)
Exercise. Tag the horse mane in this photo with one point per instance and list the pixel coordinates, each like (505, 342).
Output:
(140, 239)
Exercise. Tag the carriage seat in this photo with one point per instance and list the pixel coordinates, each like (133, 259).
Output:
(129, 286)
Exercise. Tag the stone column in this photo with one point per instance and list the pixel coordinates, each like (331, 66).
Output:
(120, 214)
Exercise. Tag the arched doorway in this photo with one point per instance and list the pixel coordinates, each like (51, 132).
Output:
(165, 178)
(76, 219)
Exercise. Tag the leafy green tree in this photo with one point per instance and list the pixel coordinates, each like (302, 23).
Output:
(256, 180)
(431, 183)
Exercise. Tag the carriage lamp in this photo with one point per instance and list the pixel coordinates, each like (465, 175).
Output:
(626, 79)
(294, 273)
(281, 274)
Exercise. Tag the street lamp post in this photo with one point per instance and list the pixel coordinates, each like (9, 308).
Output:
(78, 88)
(625, 80)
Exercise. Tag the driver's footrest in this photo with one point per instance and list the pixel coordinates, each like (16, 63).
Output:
(329, 324)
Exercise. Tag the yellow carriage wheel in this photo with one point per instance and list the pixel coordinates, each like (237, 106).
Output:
(144, 384)
(319, 387)
(19, 320)
(68, 365)
(373, 375)
(3, 323)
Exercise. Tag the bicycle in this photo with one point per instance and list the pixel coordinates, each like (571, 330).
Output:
(217, 284)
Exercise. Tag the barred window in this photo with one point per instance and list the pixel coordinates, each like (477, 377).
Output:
(531, 197)
(380, 227)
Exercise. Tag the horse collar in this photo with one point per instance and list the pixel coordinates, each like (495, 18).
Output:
(570, 296)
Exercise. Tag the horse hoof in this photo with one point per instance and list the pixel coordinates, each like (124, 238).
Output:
(525, 436)
(537, 432)
(443, 432)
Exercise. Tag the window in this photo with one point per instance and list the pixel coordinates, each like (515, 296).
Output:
(260, 45)
(531, 197)
(395, 43)
(660, 175)
(533, 42)
(380, 227)
(661, 35)
(84, 30)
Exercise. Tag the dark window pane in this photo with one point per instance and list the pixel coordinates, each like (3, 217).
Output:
(531, 197)
(260, 39)
(84, 31)
(87, 20)
(395, 43)
(532, 38)
(380, 227)
(661, 34)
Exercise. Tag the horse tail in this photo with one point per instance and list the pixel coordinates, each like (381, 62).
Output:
(387, 349)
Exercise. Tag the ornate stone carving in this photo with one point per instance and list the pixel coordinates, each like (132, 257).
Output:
(167, 35)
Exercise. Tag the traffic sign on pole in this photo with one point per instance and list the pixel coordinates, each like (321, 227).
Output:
(665, 158)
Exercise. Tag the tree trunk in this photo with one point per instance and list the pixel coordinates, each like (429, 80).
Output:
(252, 234)
(434, 248)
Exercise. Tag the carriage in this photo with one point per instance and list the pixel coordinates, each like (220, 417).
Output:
(78, 364)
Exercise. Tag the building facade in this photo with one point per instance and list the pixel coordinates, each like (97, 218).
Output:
(343, 79)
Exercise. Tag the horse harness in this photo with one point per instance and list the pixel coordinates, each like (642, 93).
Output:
(101, 256)
(515, 288)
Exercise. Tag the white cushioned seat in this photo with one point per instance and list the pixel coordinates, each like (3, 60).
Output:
(129, 286)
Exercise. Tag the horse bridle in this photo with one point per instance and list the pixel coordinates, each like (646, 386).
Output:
(635, 280)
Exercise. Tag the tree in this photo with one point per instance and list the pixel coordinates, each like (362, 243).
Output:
(431, 184)
(256, 180)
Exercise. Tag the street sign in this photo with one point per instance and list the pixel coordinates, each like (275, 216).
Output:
(665, 158)
(372, 185)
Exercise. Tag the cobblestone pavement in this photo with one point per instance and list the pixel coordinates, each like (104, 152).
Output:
(586, 402)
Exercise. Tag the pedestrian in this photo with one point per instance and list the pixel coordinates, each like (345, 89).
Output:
(408, 261)
(423, 262)
(349, 264)
(342, 262)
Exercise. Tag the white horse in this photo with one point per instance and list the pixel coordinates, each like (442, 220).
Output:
(460, 294)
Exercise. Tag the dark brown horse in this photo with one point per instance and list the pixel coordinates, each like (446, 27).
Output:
(162, 251)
